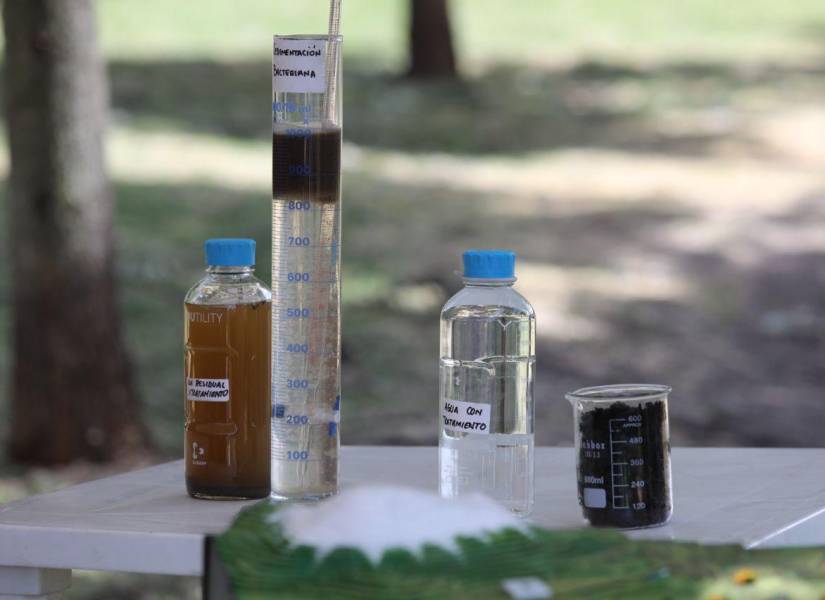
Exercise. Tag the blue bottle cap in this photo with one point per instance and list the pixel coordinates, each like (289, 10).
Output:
(229, 252)
(489, 264)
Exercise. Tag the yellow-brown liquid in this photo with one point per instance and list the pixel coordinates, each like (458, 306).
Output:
(227, 439)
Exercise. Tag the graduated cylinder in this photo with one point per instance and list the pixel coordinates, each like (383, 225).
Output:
(306, 265)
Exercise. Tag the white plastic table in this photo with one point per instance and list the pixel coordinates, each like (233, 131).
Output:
(144, 522)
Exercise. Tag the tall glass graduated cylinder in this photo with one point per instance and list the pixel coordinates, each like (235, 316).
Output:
(486, 386)
(306, 265)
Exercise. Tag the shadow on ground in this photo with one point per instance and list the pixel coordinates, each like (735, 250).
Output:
(742, 349)
(506, 109)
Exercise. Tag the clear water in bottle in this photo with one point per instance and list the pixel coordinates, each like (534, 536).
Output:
(486, 385)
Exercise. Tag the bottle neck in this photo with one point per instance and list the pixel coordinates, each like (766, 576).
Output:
(234, 273)
(488, 283)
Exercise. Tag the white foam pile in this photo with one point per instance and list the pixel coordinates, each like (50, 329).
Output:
(377, 518)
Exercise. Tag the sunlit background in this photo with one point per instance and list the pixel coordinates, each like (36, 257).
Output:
(659, 168)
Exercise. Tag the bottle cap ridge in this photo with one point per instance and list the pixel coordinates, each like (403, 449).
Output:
(230, 252)
(489, 264)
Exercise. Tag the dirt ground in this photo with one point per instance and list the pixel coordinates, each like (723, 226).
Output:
(675, 234)
(669, 220)
(668, 217)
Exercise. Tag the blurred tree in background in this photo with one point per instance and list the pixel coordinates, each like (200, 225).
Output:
(431, 42)
(72, 394)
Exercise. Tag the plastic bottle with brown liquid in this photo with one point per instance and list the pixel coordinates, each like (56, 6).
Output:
(227, 376)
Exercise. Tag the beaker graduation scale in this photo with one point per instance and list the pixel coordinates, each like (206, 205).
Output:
(306, 265)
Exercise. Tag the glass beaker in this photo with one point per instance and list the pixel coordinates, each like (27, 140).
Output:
(623, 454)
(306, 265)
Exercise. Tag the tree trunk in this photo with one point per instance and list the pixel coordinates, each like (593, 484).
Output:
(72, 395)
(431, 43)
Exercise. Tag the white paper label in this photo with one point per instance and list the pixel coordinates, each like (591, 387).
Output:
(299, 66)
(469, 417)
(207, 390)
(595, 497)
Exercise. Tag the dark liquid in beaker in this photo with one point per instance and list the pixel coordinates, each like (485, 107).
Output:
(306, 166)
(227, 427)
(625, 451)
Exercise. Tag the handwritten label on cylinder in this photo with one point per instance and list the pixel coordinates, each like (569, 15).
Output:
(467, 417)
(299, 66)
(207, 390)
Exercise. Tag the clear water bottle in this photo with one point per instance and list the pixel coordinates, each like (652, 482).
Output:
(488, 333)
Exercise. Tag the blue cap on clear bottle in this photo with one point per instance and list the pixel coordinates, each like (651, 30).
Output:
(490, 265)
(230, 252)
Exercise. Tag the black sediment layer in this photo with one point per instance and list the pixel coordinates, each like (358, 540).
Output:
(306, 165)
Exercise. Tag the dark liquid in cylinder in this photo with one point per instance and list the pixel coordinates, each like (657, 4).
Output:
(226, 391)
(306, 164)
